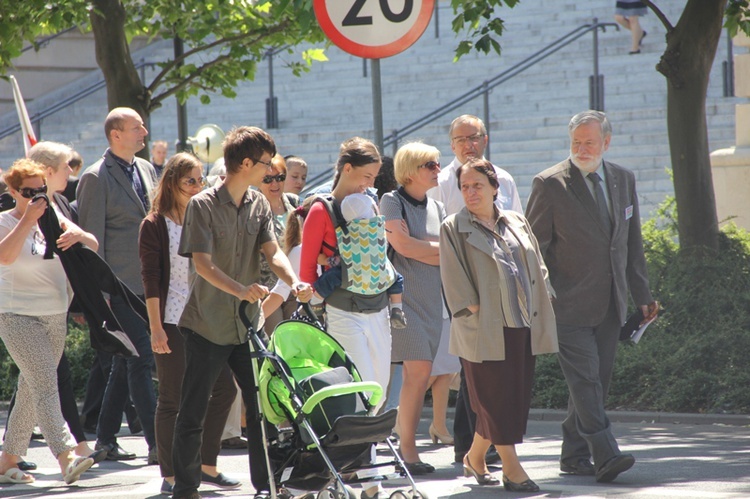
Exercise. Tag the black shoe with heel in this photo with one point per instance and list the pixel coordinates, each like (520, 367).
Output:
(525, 486)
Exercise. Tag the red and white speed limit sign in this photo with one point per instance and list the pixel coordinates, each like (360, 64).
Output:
(374, 29)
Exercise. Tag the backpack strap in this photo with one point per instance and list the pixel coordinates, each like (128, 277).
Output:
(334, 211)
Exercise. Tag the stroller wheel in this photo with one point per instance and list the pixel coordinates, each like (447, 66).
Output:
(336, 493)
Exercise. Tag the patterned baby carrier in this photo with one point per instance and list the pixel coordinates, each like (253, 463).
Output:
(362, 247)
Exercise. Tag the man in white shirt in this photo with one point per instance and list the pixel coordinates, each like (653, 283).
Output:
(469, 140)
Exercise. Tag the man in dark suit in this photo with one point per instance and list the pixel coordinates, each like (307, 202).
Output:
(584, 213)
(113, 198)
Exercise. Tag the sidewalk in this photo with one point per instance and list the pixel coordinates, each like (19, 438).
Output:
(678, 456)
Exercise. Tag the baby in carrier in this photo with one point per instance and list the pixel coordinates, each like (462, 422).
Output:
(357, 208)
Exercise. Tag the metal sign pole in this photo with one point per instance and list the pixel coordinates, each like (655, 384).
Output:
(377, 104)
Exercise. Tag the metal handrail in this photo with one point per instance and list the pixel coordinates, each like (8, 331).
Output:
(44, 41)
(58, 106)
(493, 82)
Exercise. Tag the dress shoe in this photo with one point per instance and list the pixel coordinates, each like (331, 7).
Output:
(614, 467)
(481, 478)
(445, 439)
(25, 465)
(582, 467)
(416, 468)
(234, 443)
(525, 486)
(115, 452)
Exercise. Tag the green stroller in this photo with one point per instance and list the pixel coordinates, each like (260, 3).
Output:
(311, 389)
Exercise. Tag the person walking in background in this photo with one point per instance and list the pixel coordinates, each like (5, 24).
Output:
(497, 291)
(469, 139)
(296, 174)
(627, 13)
(34, 299)
(165, 283)
(113, 198)
(584, 213)
(159, 151)
(282, 203)
(213, 332)
(413, 228)
(75, 163)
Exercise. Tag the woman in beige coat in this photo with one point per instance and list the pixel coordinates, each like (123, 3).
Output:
(496, 287)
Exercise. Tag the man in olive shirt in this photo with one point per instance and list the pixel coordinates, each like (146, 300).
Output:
(225, 229)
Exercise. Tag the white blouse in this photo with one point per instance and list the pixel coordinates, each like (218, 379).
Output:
(178, 276)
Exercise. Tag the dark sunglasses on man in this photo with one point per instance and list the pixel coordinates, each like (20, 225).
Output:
(271, 178)
(30, 192)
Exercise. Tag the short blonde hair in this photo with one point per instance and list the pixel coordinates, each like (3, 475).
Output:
(410, 157)
(50, 154)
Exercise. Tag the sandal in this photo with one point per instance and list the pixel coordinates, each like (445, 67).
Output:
(76, 468)
(14, 475)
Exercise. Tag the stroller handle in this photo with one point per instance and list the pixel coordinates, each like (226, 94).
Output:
(243, 314)
(247, 323)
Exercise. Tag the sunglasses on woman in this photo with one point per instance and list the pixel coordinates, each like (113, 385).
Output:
(192, 182)
(271, 178)
(431, 165)
(30, 192)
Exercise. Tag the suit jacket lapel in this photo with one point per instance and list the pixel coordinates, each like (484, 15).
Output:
(116, 171)
(578, 186)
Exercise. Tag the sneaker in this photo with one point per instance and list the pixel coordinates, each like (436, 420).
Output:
(153, 456)
(398, 320)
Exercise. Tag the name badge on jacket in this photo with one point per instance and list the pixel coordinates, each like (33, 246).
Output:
(629, 212)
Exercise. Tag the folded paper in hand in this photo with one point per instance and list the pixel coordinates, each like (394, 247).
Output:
(633, 330)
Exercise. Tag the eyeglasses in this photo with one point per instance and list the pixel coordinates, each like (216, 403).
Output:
(271, 178)
(192, 182)
(431, 165)
(474, 139)
(30, 192)
(267, 163)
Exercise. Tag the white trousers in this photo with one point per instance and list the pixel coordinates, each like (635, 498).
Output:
(367, 340)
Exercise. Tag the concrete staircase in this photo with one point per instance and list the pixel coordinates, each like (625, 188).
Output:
(528, 114)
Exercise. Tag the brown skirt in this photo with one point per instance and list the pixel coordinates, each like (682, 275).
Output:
(500, 390)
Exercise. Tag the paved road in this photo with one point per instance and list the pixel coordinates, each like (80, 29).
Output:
(674, 460)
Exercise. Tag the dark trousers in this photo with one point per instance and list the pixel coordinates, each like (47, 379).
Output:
(67, 400)
(170, 369)
(96, 383)
(204, 362)
(464, 420)
(587, 357)
(132, 374)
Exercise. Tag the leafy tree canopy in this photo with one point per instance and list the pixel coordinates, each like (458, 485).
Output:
(224, 39)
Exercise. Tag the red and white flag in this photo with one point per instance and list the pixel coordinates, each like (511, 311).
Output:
(29, 139)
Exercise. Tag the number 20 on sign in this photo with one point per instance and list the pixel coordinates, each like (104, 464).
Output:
(374, 29)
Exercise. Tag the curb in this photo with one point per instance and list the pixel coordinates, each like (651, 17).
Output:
(651, 417)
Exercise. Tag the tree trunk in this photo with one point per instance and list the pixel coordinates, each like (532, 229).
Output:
(124, 86)
(687, 61)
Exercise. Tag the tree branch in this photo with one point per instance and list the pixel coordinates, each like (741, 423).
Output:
(169, 66)
(659, 14)
(188, 79)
